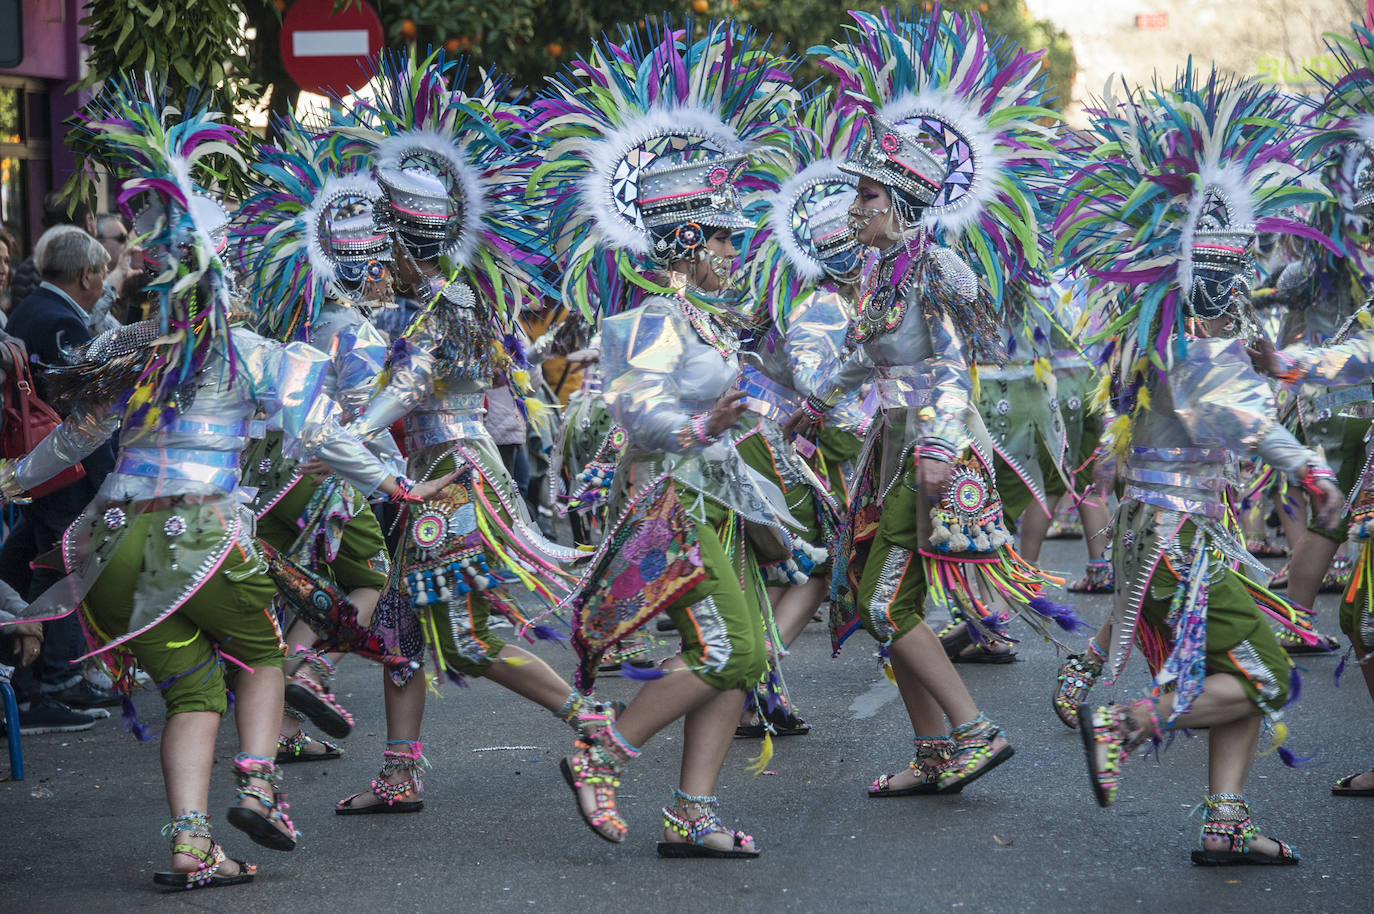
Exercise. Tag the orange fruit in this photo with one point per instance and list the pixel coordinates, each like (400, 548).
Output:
(408, 29)
(700, 6)
(452, 45)
(554, 48)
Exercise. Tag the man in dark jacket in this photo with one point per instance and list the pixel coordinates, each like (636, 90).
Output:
(72, 265)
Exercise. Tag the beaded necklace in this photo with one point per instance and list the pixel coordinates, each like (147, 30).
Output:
(713, 329)
(882, 303)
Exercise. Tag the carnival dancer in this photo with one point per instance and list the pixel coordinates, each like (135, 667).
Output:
(1346, 111)
(1325, 289)
(804, 263)
(452, 184)
(1167, 212)
(919, 327)
(162, 563)
(646, 151)
(316, 262)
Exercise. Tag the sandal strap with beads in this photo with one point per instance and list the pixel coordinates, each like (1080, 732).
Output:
(400, 755)
(1115, 728)
(294, 745)
(1076, 678)
(601, 773)
(248, 768)
(972, 745)
(1228, 816)
(210, 862)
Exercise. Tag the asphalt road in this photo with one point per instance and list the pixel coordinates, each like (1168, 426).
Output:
(499, 831)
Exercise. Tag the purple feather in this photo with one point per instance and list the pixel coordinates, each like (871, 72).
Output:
(638, 673)
(1062, 615)
(133, 724)
(1294, 687)
(1340, 668)
(1292, 760)
(548, 633)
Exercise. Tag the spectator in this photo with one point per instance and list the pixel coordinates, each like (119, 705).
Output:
(7, 251)
(126, 280)
(72, 265)
(55, 213)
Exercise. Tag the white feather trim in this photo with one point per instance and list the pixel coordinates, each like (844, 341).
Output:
(945, 106)
(606, 159)
(1232, 185)
(390, 154)
(781, 204)
(323, 266)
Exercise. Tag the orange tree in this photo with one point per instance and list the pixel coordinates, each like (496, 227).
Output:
(529, 39)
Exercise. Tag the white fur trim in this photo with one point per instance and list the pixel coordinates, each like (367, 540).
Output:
(389, 154)
(781, 204)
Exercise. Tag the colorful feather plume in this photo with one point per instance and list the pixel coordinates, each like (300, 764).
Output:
(782, 259)
(161, 157)
(1151, 162)
(980, 105)
(277, 239)
(484, 142)
(608, 115)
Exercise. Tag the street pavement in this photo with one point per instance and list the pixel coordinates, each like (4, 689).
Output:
(499, 831)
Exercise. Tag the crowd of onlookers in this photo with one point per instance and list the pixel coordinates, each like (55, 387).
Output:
(85, 275)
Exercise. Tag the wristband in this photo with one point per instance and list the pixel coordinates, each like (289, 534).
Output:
(935, 452)
(1314, 473)
(403, 494)
(694, 434)
(814, 407)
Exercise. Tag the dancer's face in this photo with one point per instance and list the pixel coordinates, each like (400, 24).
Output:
(715, 262)
(870, 215)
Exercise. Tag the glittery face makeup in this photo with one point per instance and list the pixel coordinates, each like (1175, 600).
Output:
(868, 214)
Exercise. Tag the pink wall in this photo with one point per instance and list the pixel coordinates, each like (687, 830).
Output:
(51, 49)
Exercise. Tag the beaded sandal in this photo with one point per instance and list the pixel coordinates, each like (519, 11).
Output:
(1338, 575)
(1115, 728)
(1342, 787)
(933, 755)
(399, 755)
(292, 748)
(206, 875)
(597, 764)
(262, 829)
(1228, 816)
(315, 701)
(973, 756)
(1077, 676)
(1098, 577)
(695, 831)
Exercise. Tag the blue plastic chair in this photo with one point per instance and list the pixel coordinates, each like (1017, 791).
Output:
(12, 731)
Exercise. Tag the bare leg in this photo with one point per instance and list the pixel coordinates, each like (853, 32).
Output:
(405, 709)
(530, 677)
(188, 753)
(926, 717)
(796, 607)
(258, 698)
(1092, 511)
(708, 730)
(301, 635)
(1307, 566)
(1035, 523)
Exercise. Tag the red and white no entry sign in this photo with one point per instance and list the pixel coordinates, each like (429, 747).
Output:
(324, 51)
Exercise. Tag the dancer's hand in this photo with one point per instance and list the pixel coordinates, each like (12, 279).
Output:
(314, 467)
(726, 412)
(1264, 356)
(427, 490)
(933, 475)
(800, 423)
(1330, 504)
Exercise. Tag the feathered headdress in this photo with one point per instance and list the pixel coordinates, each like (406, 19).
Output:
(977, 106)
(804, 220)
(1180, 179)
(307, 222)
(610, 116)
(453, 167)
(159, 154)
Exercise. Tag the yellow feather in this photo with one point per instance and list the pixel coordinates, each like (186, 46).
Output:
(1102, 393)
(973, 374)
(887, 671)
(1042, 370)
(759, 763)
(432, 686)
(1142, 402)
(1119, 435)
(1280, 737)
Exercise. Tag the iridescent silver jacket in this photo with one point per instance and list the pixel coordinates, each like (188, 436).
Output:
(438, 376)
(198, 452)
(792, 365)
(920, 374)
(658, 373)
(357, 356)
